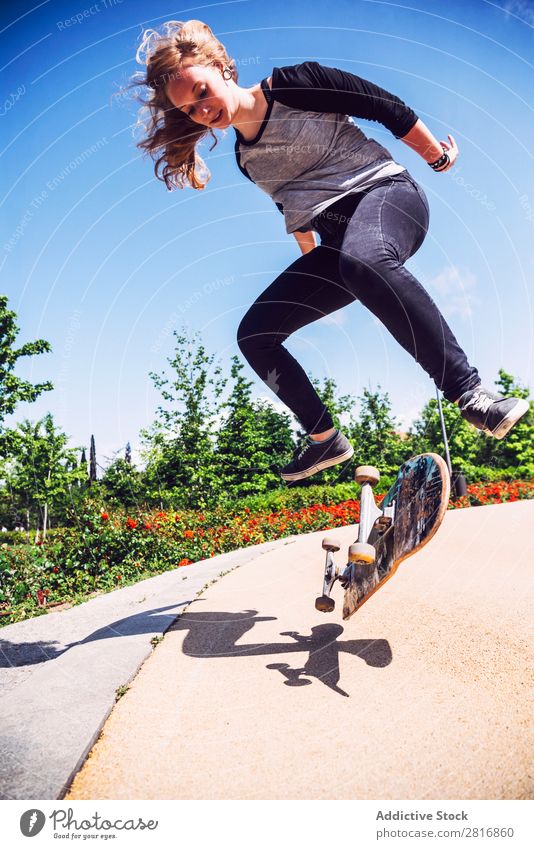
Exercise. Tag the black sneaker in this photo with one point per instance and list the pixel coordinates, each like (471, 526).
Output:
(316, 456)
(494, 414)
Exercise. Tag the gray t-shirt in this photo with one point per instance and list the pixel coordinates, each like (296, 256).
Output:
(308, 152)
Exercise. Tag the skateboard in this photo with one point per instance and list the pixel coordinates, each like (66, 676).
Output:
(404, 521)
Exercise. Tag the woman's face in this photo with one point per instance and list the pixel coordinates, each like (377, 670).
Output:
(201, 92)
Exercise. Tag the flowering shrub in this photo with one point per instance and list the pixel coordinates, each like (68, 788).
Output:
(109, 550)
(495, 493)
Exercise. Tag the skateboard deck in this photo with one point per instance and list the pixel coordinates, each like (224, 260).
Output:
(403, 522)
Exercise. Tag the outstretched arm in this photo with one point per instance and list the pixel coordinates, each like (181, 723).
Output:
(315, 87)
(420, 139)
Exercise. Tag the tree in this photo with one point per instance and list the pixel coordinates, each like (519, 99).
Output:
(13, 389)
(122, 483)
(249, 441)
(517, 448)
(42, 470)
(277, 428)
(464, 440)
(11, 509)
(180, 443)
(83, 465)
(375, 434)
(472, 451)
(92, 461)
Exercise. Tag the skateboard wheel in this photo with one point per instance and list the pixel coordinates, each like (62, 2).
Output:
(331, 543)
(367, 474)
(362, 552)
(325, 604)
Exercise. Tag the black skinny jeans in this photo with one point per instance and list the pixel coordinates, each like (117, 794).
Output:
(365, 239)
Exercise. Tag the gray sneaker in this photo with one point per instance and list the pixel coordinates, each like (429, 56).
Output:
(490, 412)
(316, 456)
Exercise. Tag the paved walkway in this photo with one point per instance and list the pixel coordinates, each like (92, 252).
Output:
(424, 694)
(59, 672)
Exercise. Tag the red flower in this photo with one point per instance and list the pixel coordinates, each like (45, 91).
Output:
(184, 562)
(131, 523)
(56, 569)
(189, 534)
(104, 517)
(148, 525)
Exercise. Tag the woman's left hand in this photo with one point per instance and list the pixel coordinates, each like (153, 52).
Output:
(451, 149)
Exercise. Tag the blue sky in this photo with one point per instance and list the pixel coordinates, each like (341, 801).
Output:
(101, 260)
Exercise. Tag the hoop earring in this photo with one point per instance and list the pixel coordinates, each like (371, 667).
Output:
(227, 70)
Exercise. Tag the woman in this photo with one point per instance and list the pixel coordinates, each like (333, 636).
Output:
(295, 140)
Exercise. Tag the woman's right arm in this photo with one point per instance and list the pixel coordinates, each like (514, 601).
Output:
(420, 139)
(306, 241)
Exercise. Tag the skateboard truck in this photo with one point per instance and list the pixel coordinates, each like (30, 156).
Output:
(405, 520)
(362, 553)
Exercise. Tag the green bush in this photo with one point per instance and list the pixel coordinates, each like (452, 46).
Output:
(13, 537)
(295, 497)
(107, 551)
(477, 474)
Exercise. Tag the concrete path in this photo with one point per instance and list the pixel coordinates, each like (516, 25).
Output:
(426, 693)
(59, 672)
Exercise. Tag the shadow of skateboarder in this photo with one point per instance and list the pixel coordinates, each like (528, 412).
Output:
(218, 634)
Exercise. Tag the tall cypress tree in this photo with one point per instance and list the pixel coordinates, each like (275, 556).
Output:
(83, 465)
(92, 461)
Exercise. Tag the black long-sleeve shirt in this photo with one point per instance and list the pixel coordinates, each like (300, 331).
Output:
(317, 88)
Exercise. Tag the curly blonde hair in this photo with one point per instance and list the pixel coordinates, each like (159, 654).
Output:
(171, 136)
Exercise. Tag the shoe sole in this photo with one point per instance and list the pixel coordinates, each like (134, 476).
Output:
(318, 467)
(510, 419)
